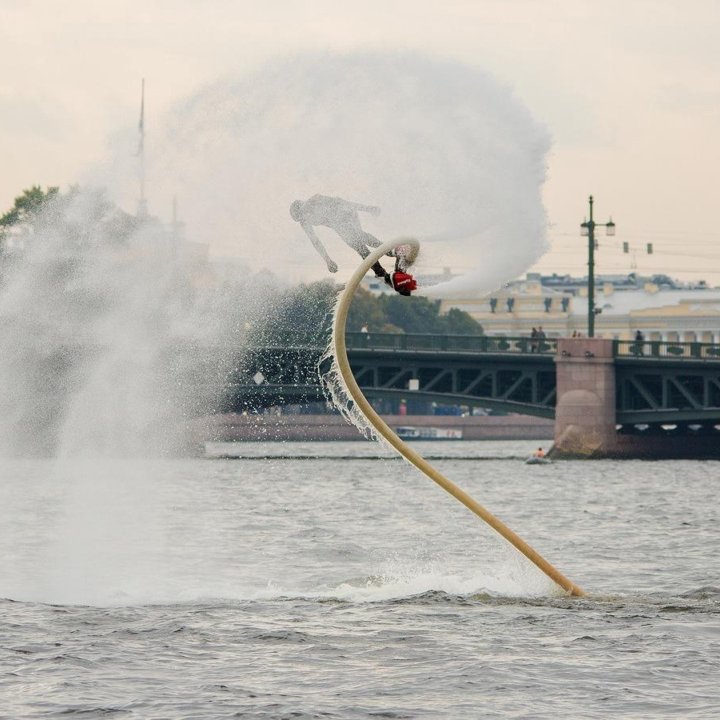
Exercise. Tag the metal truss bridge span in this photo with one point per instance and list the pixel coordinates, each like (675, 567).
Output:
(507, 374)
(655, 383)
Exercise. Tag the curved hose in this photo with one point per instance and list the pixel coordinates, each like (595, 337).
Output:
(408, 453)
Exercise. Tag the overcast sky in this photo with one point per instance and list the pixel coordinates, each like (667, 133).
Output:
(629, 91)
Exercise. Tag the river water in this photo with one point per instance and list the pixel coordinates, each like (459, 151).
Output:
(330, 580)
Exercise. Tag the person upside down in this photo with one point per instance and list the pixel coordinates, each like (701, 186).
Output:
(342, 216)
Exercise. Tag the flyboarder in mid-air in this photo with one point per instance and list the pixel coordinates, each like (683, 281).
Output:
(342, 217)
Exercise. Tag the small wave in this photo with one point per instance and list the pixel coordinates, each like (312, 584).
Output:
(283, 636)
(92, 712)
(706, 592)
(363, 458)
(642, 606)
(427, 583)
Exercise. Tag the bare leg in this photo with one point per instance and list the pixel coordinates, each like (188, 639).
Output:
(379, 270)
(359, 243)
(370, 240)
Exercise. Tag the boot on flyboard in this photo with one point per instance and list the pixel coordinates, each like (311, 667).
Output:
(400, 280)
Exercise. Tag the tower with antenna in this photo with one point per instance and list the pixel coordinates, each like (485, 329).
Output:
(142, 202)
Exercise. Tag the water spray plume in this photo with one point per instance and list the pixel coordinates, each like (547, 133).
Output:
(93, 311)
(450, 156)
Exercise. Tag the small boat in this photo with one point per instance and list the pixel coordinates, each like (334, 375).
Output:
(537, 460)
(407, 432)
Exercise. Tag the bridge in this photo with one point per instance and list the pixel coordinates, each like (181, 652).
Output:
(660, 389)
(505, 374)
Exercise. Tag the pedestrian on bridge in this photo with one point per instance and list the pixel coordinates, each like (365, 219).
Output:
(533, 340)
(639, 343)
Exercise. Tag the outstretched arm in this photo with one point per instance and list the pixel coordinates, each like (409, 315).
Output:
(372, 209)
(315, 240)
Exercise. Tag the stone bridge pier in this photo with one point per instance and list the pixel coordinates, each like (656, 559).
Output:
(585, 422)
(585, 411)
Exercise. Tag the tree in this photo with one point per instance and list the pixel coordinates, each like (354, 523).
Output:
(458, 322)
(25, 212)
(421, 315)
(306, 310)
(28, 206)
(275, 314)
(365, 310)
(80, 217)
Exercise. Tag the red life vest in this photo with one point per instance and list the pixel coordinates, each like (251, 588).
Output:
(403, 281)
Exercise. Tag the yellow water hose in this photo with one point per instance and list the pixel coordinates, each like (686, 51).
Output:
(409, 454)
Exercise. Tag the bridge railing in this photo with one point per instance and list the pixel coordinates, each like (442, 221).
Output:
(666, 349)
(413, 342)
(449, 343)
(500, 345)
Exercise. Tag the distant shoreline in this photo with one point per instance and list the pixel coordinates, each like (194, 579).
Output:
(237, 428)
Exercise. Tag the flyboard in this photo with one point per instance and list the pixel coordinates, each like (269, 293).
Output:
(379, 425)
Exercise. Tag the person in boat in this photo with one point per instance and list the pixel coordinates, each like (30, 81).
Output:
(342, 217)
(539, 453)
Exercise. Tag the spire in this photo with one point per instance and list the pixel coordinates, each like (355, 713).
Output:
(142, 202)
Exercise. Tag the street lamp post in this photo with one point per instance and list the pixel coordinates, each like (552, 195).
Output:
(588, 228)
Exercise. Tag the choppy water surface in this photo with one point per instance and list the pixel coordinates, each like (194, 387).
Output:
(331, 581)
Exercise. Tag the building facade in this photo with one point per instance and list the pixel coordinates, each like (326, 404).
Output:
(664, 312)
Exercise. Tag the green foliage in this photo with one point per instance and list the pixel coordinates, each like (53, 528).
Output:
(79, 217)
(421, 315)
(366, 310)
(307, 308)
(272, 314)
(458, 322)
(28, 206)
